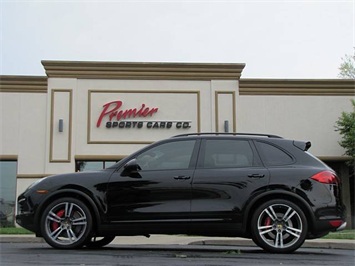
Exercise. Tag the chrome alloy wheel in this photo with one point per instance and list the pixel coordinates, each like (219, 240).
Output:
(65, 223)
(279, 226)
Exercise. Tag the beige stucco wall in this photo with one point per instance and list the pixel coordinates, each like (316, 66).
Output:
(23, 129)
(295, 117)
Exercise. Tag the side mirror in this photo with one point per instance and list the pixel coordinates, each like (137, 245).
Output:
(131, 169)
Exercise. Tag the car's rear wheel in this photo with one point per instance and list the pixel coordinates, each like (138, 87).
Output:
(66, 223)
(98, 242)
(279, 226)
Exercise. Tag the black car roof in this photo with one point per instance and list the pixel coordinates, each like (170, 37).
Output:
(217, 134)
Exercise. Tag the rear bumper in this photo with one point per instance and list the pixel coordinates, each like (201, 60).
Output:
(342, 227)
(325, 227)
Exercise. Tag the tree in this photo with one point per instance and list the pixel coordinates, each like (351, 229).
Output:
(347, 67)
(346, 127)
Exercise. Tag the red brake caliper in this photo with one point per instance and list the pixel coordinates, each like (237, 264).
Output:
(267, 221)
(55, 225)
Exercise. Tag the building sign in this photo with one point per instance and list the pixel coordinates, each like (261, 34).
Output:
(113, 112)
(141, 116)
(116, 117)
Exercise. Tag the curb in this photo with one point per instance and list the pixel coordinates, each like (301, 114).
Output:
(208, 242)
(20, 239)
(323, 244)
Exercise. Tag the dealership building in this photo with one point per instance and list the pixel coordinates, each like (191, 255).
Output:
(88, 115)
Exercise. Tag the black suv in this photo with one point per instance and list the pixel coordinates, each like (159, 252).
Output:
(261, 187)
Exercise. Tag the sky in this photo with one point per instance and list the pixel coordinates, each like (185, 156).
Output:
(275, 39)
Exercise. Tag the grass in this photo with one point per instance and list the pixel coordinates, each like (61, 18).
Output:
(14, 231)
(346, 234)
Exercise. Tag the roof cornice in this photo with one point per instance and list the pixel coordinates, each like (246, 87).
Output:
(124, 70)
(321, 87)
(29, 84)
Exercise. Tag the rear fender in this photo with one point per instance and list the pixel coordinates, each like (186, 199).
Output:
(271, 195)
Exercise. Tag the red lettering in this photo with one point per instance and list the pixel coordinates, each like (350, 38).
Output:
(111, 110)
(152, 111)
(127, 113)
(140, 110)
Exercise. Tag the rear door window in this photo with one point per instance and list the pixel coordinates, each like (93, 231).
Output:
(224, 153)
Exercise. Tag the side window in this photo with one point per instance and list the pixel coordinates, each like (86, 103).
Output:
(225, 153)
(272, 155)
(172, 155)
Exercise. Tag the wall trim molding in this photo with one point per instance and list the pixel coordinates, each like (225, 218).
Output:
(10, 157)
(288, 87)
(52, 126)
(99, 157)
(89, 113)
(334, 158)
(28, 176)
(234, 107)
(24, 84)
(136, 70)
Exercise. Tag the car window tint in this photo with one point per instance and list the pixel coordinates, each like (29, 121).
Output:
(274, 156)
(228, 153)
(172, 155)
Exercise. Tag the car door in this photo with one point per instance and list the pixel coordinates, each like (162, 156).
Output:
(228, 174)
(160, 190)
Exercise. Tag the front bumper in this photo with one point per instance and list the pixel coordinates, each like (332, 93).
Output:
(26, 221)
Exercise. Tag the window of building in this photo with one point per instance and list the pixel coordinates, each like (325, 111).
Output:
(8, 173)
(82, 166)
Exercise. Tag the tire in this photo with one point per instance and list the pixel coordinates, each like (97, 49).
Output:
(279, 226)
(97, 242)
(66, 223)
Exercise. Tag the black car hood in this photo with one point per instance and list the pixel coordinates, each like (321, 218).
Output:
(79, 178)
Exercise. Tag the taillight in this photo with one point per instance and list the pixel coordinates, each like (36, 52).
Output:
(326, 177)
(336, 223)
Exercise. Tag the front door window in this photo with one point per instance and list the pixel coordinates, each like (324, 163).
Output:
(172, 155)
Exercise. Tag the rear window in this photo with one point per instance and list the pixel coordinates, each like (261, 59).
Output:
(273, 155)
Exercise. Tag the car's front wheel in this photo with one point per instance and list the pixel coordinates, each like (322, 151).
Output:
(279, 226)
(66, 223)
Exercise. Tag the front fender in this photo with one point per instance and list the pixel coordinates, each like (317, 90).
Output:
(93, 205)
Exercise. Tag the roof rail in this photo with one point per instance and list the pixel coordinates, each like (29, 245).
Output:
(229, 134)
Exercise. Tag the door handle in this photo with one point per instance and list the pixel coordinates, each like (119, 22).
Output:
(181, 177)
(256, 175)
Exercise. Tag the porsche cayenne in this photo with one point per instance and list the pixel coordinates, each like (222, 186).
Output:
(262, 187)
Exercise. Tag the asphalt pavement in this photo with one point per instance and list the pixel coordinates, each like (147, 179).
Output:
(191, 240)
